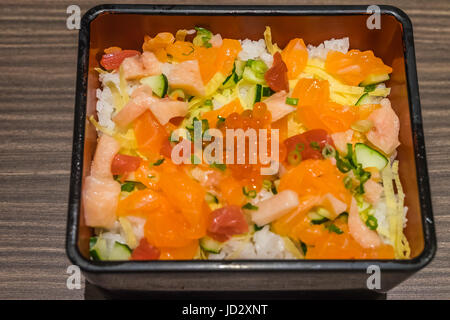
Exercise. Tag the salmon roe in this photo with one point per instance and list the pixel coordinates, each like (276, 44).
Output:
(257, 118)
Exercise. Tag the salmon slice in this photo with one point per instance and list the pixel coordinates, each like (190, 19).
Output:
(107, 148)
(100, 198)
(166, 109)
(277, 106)
(141, 66)
(141, 100)
(386, 127)
(186, 76)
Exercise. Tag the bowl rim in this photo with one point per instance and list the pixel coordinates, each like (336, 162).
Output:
(410, 265)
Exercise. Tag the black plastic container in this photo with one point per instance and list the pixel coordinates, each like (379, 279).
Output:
(125, 26)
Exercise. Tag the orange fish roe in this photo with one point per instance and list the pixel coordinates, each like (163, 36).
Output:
(258, 118)
(354, 66)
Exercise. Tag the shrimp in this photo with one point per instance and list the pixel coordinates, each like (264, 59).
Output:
(141, 66)
(359, 231)
(373, 191)
(384, 133)
(341, 139)
(100, 194)
(275, 207)
(141, 100)
(277, 106)
(186, 75)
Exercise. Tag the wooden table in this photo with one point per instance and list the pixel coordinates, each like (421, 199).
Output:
(37, 86)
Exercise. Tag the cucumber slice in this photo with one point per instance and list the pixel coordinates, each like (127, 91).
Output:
(366, 98)
(369, 157)
(98, 249)
(230, 81)
(210, 245)
(119, 251)
(239, 68)
(267, 91)
(177, 93)
(374, 79)
(254, 95)
(257, 66)
(159, 84)
(251, 76)
(316, 217)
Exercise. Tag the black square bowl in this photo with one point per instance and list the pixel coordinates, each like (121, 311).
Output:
(126, 25)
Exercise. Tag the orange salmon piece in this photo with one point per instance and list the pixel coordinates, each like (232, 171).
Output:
(354, 66)
(295, 55)
(224, 112)
(150, 135)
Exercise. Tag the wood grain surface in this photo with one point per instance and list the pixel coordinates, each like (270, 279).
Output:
(37, 86)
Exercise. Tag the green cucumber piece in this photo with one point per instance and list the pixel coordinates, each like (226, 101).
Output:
(119, 251)
(230, 81)
(210, 245)
(267, 91)
(367, 99)
(159, 84)
(251, 76)
(239, 68)
(254, 95)
(316, 218)
(178, 93)
(369, 157)
(374, 79)
(98, 249)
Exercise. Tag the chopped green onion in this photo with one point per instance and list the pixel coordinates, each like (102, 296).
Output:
(219, 166)
(315, 145)
(220, 121)
(300, 147)
(304, 247)
(190, 52)
(333, 228)
(129, 186)
(292, 101)
(294, 157)
(159, 162)
(257, 228)
(249, 193)
(274, 189)
(210, 198)
(208, 102)
(372, 223)
(202, 38)
(348, 182)
(328, 152)
(267, 184)
(249, 206)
